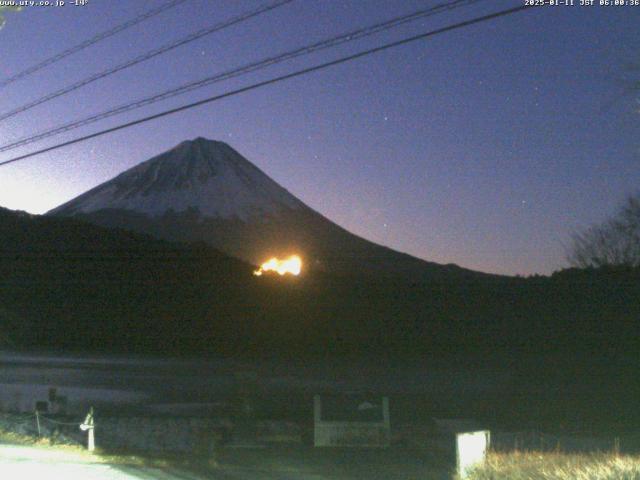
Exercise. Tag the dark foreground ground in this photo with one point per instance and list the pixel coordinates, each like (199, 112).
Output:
(309, 463)
(588, 393)
(566, 396)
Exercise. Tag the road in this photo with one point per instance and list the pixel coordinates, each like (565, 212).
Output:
(22, 462)
(25, 462)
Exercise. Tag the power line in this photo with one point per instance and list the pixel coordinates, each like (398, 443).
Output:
(144, 57)
(280, 78)
(91, 41)
(269, 61)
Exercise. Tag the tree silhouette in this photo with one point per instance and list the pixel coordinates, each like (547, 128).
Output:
(616, 242)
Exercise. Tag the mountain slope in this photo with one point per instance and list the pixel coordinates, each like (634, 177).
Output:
(204, 190)
(67, 284)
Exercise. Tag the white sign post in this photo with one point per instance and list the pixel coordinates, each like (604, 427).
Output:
(89, 427)
(471, 450)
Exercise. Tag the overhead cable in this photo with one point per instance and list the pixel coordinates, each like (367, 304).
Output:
(91, 41)
(243, 70)
(144, 57)
(271, 81)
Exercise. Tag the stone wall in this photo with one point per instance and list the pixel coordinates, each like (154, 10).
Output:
(160, 434)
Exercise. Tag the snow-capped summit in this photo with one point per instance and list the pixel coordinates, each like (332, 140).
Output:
(204, 175)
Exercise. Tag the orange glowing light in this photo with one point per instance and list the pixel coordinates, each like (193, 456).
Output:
(292, 265)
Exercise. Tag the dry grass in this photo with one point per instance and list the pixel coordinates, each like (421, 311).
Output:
(558, 466)
(13, 438)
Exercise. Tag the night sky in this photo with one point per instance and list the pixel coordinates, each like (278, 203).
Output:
(485, 147)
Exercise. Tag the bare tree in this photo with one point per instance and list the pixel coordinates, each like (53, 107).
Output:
(616, 242)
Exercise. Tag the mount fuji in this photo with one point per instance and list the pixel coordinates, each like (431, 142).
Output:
(205, 191)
